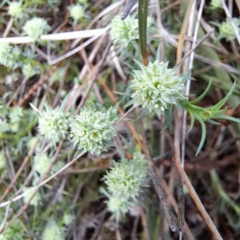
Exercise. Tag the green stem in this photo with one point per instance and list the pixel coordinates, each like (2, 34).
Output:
(142, 23)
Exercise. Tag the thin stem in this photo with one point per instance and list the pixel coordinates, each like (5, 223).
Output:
(154, 177)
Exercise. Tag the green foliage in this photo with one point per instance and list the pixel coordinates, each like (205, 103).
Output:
(207, 114)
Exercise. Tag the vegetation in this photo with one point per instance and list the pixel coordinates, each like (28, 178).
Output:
(113, 111)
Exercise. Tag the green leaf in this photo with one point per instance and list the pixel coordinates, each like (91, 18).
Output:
(203, 94)
(224, 100)
(204, 134)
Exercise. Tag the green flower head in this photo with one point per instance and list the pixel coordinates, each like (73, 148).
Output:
(125, 179)
(156, 87)
(15, 9)
(76, 12)
(215, 4)
(93, 130)
(41, 163)
(9, 55)
(35, 200)
(4, 126)
(53, 124)
(52, 231)
(15, 114)
(124, 32)
(36, 27)
(29, 70)
(226, 30)
(118, 205)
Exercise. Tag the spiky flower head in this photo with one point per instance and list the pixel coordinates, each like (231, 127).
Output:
(125, 179)
(124, 32)
(83, 1)
(36, 27)
(68, 218)
(118, 206)
(93, 130)
(41, 163)
(15, 114)
(215, 4)
(13, 232)
(76, 12)
(9, 55)
(15, 9)
(29, 70)
(52, 231)
(35, 200)
(53, 124)
(226, 30)
(156, 87)
(4, 126)
(32, 142)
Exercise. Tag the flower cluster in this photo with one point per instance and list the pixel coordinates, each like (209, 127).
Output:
(215, 4)
(35, 27)
(13, 232)
(76, 12)
(35, 200)
(124, 32)
(15, 9)
(9, 55)
(10, 119)
(68, 218)
(52, 231)
(124, 182)
(53, 124)
(226, 29)
(15, 116)
(41, 163)
(4, 126)
(93, 130)
(156, 87)
(29, 70)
